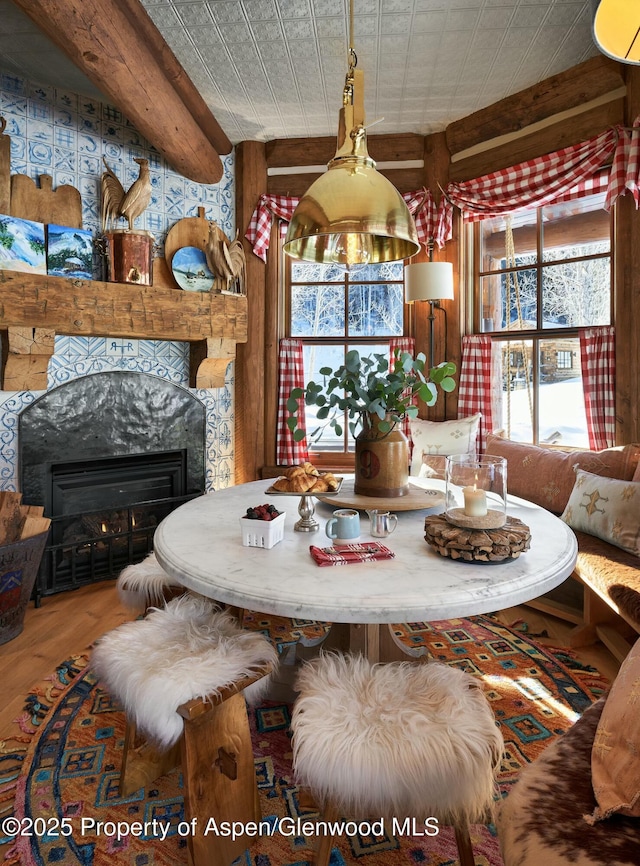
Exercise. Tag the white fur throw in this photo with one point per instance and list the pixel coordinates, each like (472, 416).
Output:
(400, 739)
(189, 649)
(143, 585)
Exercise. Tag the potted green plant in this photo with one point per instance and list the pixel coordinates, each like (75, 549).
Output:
(376, 396)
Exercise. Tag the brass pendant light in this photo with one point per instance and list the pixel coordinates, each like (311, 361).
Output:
(352, 215)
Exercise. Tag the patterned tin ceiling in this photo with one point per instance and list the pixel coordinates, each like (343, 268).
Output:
(275, 68)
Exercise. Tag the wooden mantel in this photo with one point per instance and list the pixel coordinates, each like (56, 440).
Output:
(33, 308)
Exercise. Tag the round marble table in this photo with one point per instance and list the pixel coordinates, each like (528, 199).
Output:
(200, 545)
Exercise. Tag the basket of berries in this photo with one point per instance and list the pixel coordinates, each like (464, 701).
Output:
(262, 526)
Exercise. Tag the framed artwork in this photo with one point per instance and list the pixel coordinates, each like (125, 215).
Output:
(69, 252)
(22, 245)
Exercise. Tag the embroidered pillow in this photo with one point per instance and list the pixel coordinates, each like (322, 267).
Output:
(615, 757)
(439, 439)
(607, 508)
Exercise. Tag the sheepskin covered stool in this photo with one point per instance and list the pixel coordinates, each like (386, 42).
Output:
(405, 739)
(146, 584)
(182, 674)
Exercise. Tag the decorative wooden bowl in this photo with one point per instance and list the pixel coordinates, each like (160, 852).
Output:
(477, 545)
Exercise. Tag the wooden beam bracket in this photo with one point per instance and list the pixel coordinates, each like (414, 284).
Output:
(26, 359)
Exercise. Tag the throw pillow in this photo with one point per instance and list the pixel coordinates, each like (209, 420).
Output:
(615, 755)
(546, 475)
(439, 439)
(607, 508)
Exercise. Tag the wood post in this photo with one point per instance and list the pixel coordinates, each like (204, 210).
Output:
(251, 182)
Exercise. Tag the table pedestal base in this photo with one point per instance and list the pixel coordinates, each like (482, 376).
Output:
(376, 641)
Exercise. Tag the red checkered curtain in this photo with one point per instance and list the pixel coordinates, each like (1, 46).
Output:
(269, 206)
(564, 174)
(402, 344)
(598, 361)
(625, 171)
(474, 390)
(290, 375)
(420, 204)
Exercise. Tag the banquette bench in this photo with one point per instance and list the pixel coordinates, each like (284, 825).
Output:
(606, 604)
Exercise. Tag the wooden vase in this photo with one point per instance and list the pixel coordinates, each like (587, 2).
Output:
(382, 461)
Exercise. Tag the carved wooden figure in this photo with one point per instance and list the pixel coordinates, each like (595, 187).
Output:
(118, 203)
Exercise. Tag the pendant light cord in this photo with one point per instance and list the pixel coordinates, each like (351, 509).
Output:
(353, 57)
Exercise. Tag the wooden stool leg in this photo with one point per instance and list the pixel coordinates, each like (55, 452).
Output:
(219, 778)
(325, 843)
(463, 841)
(143, 763)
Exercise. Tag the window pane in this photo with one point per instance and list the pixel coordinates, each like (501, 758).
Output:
(317, 311)
(576, 294)
(562, 419)
(316, 357)
(508, 301)
(376, 310)
(497, 252)
(517, 390)
(311, 272)
(581, 223)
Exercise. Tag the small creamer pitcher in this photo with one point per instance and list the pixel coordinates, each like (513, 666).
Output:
(382, 522)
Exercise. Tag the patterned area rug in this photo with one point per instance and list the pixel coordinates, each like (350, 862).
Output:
(63, 761)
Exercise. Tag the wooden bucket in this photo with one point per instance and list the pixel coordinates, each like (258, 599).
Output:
(19, 564)
(129, 257)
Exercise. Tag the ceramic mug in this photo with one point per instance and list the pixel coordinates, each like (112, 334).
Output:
(344, 526)
(382, 523)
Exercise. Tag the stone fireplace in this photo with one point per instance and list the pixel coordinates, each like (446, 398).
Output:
(108, 456)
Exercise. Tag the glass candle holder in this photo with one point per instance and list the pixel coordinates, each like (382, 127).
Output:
(476, 491)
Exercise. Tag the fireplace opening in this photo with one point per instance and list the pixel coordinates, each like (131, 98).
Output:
(104, 514)
(108, 456)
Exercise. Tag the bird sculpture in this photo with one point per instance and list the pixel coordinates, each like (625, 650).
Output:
(226, 260)
(118, 203)
(238, 265)
(218, 259)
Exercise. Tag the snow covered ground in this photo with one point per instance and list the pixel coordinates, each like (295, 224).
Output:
(562, 416)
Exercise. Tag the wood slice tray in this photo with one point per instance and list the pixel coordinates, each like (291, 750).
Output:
(477, 545)
(417, 499)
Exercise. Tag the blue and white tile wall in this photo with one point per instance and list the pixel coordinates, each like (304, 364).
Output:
(66, 135)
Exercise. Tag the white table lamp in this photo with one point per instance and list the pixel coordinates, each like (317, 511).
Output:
(429, 281)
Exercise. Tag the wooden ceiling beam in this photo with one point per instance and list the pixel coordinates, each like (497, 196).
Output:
(582, 83)
(294, 152)
(118, 47)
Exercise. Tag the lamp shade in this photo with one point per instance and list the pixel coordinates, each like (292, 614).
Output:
(351, 215)
(616, 30)
(428, 281)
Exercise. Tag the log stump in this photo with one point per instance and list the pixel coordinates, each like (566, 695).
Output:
(477, 545)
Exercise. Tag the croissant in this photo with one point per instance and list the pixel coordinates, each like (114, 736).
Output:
(282, 485)
(331, 481)
(294, 472)
(310, 469)
(320, 486)
(302, 483)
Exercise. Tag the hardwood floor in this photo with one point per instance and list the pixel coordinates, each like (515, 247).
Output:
(69, 622)
(64, 624)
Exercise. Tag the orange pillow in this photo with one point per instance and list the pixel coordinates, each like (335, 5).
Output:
(615, 755)
(546, 476)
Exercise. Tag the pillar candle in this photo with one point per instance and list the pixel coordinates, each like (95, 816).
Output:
(475, 502)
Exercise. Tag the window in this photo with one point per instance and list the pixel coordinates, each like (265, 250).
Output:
(564, 360)
(333, 310)
(540, 276)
